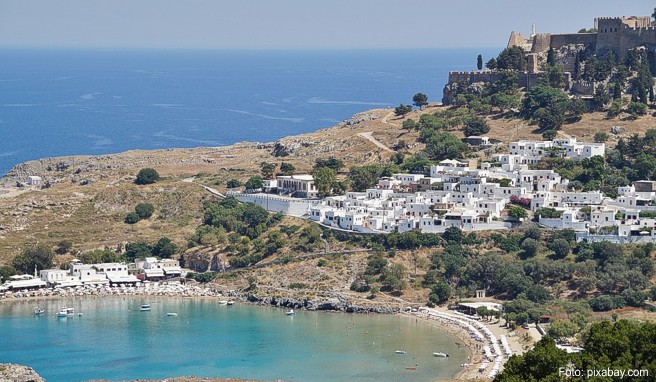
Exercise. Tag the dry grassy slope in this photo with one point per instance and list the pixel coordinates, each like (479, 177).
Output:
(92, 214)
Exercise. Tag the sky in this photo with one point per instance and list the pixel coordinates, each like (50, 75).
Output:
(293, 24)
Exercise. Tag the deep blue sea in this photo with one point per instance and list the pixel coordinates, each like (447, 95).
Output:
(114, 340)
(64, 102)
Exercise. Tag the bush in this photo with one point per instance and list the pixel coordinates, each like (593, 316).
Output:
(131, 218)
(39, 256)
(233, 183)
(144, 210)
(147, 176)
(530, 247)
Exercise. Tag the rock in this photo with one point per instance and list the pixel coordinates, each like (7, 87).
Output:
(360, 117)
(18, 373)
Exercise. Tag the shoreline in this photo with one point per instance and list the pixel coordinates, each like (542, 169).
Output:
(435, 317)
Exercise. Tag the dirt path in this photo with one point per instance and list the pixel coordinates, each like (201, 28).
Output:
(373, 140)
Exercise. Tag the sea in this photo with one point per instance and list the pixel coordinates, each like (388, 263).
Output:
(114, 340)
(69, 102)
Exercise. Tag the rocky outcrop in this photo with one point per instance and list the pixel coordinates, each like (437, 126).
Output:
(330, 303)
(201, 261)
(17, 373)
(361, 117)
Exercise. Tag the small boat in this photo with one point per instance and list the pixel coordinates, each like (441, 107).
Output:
(440, 354)
(145, 307)
(66, 312)
(223, 302)
(38, 311)
(291, 312)
(172, 314)
(231, 302)
(400, 352)
(411, 368)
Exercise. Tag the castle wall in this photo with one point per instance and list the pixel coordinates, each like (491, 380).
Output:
(560, 40)
(614, 34)
(541, 42)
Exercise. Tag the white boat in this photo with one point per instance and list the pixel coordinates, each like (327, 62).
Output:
(145, 307)
(231, 302)
(172, 314)
(440, 354)
(400, 352)
(291, 312)
(38, 311)
(223, 302)
(66, 312)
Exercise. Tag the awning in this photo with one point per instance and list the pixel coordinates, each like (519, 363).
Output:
(154, 272)
(172, 270)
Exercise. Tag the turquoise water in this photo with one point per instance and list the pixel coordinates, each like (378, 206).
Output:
(114, 340)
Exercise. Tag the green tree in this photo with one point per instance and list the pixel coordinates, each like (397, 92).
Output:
(144, 210)
(491, 63)
(267, 169)
(131, 218)
(332, 163)
(233, 183)
(138, 250)
(517, 212)
(551, 57)
(325, 179)
(442, 145)
(601, 97)
(530, 247)
(479, 62)
(363, 177)
(287, 168)
(164, 248)
(542, 363)
(38, 255)
(420, 100)
(615, 108)
(547, 105)
(636, 109)
(6, 271)
(560, 247)
(549, 134)
(409, 124)
(402, 110)
(440, 292)
(63, 247)
(600, 137)
(513, 58)
(475, 126)
(147, 176)
(254, 183)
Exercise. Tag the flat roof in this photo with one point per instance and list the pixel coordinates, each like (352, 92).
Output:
(476, 305)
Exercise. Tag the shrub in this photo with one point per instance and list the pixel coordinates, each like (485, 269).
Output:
(132, 218)
(144, 210)
(147, 176)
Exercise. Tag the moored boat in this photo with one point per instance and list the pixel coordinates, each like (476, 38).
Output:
(440, 354)
(66, 312)
(400, 352)
(171, 314)
(38, 311)
(291, 312)
(231, 302)
(223, 302)
(145, 307)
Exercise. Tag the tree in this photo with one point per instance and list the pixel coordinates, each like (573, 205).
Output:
(636, 109)
(513, 58)
(547, 105)
(530, 247)
(409, 124)
(164, 248)
(267, 169)
(549, 134)
(542, 363)
(325, 179)
(615, 108)
(38, 255)
(453, 235)
(491, 64)
(64, 247)
(551, 57)
(254, 183)
(475, 126)
(442, 145)
(420, 100)
(560, 247)
(233, 183)
(147, 176)
(601, 97)
(138, 250)
(144, 210)
(332, 163)
(363, 177)
(517, 212)
(479, 62)
(402, 110)
(287, 168)
(131, 218)
(6, 271)
(440, 293)
(600, 137)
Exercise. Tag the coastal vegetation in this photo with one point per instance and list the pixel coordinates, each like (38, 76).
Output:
(147, 176)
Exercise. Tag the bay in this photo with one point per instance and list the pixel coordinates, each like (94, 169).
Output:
(114, 340)
(70, 102)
